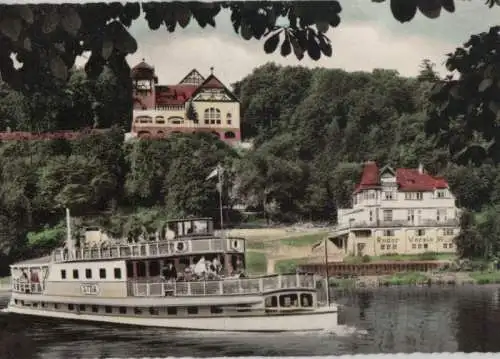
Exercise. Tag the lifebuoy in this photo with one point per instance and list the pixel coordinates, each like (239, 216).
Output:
(235, 244)
(180, 246)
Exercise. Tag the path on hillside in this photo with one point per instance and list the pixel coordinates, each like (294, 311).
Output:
(275, 250)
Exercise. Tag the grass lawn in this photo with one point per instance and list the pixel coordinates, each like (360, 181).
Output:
(304, 240)
(342, 283)
(405, 278)
(485, 277)
(256, 262)
(402, 257)
(257, 244)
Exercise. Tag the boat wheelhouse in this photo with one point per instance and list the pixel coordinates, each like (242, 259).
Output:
(183, 277)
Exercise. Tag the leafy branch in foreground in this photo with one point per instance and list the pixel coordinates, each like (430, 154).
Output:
(47, 38)
(465, 111)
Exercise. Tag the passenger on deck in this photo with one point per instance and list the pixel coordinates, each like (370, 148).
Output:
(24, 276)
(34, 277)
(200, 269)
(169, 272)
(217, 265)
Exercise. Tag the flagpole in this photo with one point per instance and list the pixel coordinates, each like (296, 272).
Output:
(219, 173)
(326, 273)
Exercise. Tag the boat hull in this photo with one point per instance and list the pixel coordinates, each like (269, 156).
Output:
(319, 320)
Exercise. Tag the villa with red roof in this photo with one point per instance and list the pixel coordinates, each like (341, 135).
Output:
(160, 110)
(403, 211)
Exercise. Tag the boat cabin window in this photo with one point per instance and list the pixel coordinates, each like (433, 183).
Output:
(75, 273)
(153, 311)
(154, 268)
(178, 229)
(63, 273)
(172, 310)
(216, 310)
(192, 310)
(118, 273)
(88, 273)
(56, 306)
(123, 310)
(141, 269)
(95, 308)
(244, 307)
(71, 307)
(102, 273)
(289, 300)
(81, 307)
(137, 310)
(108, 309)
(306, 300)
(272, 301)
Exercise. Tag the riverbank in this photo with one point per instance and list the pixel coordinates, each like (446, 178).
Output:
(418, 279)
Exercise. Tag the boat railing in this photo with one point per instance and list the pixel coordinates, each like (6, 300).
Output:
(20, 286)
(239, 286)
(151, 249)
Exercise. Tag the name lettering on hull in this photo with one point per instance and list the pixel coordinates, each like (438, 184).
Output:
(89, 289)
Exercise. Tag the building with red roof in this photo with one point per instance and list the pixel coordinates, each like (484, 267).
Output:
(402, 210)
(160, 110)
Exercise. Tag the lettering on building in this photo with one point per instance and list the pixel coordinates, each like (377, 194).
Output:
(387, 240)
(89, 289)
(420, 240)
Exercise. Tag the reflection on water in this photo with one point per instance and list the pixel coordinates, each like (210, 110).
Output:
(378, 321)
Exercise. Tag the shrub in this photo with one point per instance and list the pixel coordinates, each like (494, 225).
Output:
(366, 259)
(428, 256)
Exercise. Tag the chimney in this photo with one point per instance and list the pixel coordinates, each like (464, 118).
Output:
(420, 168)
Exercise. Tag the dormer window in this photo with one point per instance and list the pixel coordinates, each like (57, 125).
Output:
(414, 196)
(442, 193)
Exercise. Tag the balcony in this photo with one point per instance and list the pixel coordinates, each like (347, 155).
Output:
(153, 249)
(170, 108)
(19, 286)
(400, 223)
(222, 287)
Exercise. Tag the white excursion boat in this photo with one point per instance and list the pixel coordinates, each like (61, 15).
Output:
(186, 278)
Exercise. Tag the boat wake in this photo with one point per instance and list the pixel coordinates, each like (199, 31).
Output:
(340, 331)
(360, 356)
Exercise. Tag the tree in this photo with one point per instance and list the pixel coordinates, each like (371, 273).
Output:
(465, 109)
(47, 38)
(191, 113)
(427, 72)
(468, 241)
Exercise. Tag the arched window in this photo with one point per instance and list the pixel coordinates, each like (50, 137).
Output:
(229, 134)
(144, 119)
(175, 120)
(212, 116)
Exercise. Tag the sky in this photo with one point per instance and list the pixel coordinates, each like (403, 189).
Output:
(368, 37)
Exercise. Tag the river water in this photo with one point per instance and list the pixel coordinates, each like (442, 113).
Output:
(388, 320)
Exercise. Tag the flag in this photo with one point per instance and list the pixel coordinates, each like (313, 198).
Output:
(214, 173)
